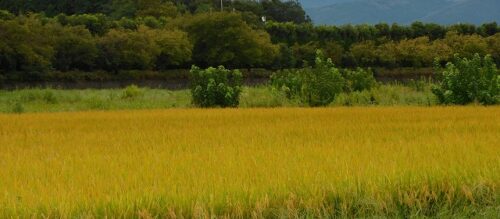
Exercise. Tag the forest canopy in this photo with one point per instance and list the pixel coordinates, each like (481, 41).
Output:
(113, 35)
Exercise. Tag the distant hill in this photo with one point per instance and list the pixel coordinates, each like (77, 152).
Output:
(402, 11)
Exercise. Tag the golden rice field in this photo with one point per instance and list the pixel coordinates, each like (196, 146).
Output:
(260, 163)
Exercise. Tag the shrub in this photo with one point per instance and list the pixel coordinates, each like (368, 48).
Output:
(469, 80)
(18, 108)
(49, 97)
(5, 15)
(215, 87)
(132, 91)
(420, 84)
(97, 103)
(359, 79)
(287, 81)
(322, 83)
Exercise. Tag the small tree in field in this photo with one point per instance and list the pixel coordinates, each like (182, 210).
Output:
(215, 87)
(322, 83)
(465, 81)
(359, 79)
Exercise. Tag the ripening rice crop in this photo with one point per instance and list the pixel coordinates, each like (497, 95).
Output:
(261, 163)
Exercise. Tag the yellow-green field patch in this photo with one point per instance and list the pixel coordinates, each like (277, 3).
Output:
(287, 162)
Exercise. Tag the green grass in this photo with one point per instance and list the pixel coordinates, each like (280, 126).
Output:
(56, 100)
(50, 100)
(388, 95)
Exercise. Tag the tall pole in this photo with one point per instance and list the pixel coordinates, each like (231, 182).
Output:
(221, 6)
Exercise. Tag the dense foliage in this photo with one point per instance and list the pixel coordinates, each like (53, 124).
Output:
(469, 80)
(276, 10)
(322, 83)
(288, 81)
(292, 33)
(225, 39)
(215, 87)
(319, 85)
(359, 79)
(39, 37)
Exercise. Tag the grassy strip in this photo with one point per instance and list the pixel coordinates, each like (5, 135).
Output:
(52, 100)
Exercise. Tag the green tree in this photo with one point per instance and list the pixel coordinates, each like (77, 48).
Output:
(286, 57)
(174, 46)
(5, 15)
(125, 49)
(489, 29)
(285, 11)
(225, 39)
(156, 8)
(466, 80)
(358, 79)
(75, 48)
(334, 51)
(52, 7)
(24, 46)
(494, 47)
(97, 24)
(415, 52)
(466, 45)
(214, 87)
(322, 83)
(387, 54)
(364, 53)
(305, 54)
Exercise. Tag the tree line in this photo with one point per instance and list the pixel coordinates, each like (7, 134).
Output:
(160, 35)
(37, 43)
(292, 33)
(276, 10)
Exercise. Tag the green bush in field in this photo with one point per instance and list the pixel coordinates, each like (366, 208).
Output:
(288, 81)
(359, 79)
(466, 80)
(322, 83)
(49, 96)
(18, 108)
(5, 15)
(214, 87)
(419, 85)
(132, 91)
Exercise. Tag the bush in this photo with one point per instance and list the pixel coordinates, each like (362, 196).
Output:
(419, 85)
(5, 15)
(359, 79)
(96, 103)
(322, 83)
(49, 97)
(318, 86)
(287, 81)
(18, 108)
(215, 87)
(469, 80)
(132, 91)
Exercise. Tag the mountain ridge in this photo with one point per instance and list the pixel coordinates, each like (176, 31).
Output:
(339, 12)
